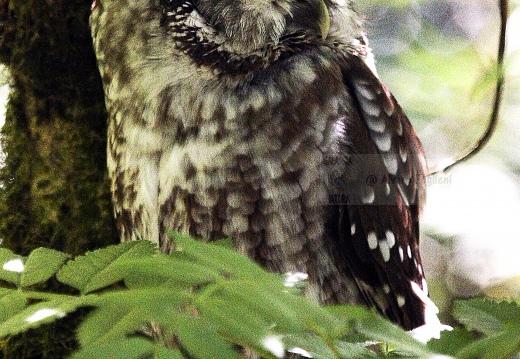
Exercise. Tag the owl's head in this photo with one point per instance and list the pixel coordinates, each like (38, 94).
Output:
(229, 36)
(247, 25)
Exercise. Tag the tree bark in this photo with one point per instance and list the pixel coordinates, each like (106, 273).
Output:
(53, 187)
(54, 190)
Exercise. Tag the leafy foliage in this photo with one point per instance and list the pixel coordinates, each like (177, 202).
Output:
(206, 301)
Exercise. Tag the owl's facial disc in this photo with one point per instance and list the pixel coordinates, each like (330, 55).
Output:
(248, 25)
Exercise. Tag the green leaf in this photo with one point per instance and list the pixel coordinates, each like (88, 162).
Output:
(499, 346)
(269, 303)
(452, 341)
(96, 270)
(311, 343)
(118, 349)
(161, 352)
(12, 266)
(235, 321)
(217, 258)
(249, 312)
(41, 264)
(319, 348)
(487, 316)
(354, 350)
(123, 312)
(371, 324)
(128, 348)
(160, 269)
(499, 320)
(41, 313)
(211, 344)
(238, 324)
(11, 302)
(268, 306)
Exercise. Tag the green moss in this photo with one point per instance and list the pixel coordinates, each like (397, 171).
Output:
(53, 188)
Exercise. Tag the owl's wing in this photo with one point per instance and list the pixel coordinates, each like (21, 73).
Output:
(384, 174)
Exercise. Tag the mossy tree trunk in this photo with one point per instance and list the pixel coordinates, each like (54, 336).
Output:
(53, 187)
(54, 192)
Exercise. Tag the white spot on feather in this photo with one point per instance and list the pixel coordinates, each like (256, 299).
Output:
(353, 229)
(409, 251)
(375, 124)
(401, 254)
(390, 238)
(385, 251)
(372, 240)
(425, 285)
(369, 196)
(389, 108)
(390, 161)
(399, 128)
(403, 154)
(364, 90)
(400, 300)
(383, 141)
(406, 179)
(371, 108)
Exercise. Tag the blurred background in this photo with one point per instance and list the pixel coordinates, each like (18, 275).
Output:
(438, 57)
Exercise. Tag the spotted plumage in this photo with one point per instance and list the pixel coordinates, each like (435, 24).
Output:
(266, 122)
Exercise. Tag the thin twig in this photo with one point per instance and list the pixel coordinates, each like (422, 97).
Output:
(493, 120)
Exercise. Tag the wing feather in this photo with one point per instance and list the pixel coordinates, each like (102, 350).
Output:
(379, 227)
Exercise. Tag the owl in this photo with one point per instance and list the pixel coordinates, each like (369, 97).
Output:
(265, 121)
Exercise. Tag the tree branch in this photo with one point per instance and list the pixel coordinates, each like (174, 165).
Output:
(493, 120)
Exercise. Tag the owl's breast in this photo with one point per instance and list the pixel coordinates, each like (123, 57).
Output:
(250, 161)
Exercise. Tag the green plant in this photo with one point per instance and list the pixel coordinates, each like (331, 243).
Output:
(209, 301)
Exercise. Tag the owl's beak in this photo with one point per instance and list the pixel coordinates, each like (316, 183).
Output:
(323, 20)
